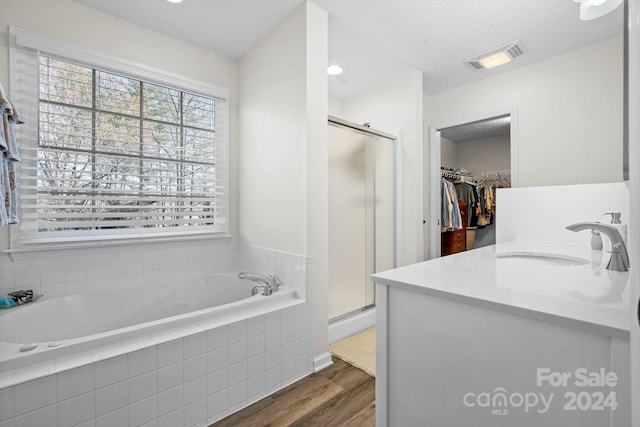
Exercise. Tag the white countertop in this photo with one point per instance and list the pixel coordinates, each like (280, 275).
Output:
(579, 295)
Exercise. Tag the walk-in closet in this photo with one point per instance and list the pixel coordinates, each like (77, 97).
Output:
(475, 161)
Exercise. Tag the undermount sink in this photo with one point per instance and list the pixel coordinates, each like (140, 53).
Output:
(534, 258)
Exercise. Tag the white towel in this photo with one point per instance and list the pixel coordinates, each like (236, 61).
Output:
(10, 154)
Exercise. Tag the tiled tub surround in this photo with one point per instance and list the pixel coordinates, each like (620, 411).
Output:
(63, 272)
(190, 374)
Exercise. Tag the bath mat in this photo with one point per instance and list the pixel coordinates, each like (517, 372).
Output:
(358, 350)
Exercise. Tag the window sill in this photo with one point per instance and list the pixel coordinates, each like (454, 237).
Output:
(58, 246)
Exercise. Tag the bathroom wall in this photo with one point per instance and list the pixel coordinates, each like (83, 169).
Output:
(61, 271)
(71, 22)
(272, 174)
(290, 127)
(67, 271)
(570, 114)
(542, 213)
(317, 178)
(282, 193)
(396, 107)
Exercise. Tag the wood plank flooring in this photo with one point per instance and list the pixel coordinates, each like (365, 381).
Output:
(340, 395)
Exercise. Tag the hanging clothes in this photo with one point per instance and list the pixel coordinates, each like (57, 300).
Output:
(9, 149)
(468, 194)
(446, 219)
(487, 194)
(450, 217)
(484, 204)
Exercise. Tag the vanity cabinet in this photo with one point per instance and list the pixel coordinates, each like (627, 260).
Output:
(486, 345)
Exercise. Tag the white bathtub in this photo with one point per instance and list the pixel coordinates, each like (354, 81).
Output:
(91, 313)
(73, 330)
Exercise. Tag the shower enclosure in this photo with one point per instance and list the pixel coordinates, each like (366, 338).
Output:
(361, 214)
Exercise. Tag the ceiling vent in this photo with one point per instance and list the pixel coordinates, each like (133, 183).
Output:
(497, 57)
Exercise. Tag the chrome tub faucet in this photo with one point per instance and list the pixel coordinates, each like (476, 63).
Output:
(619, 260)
(268, 283)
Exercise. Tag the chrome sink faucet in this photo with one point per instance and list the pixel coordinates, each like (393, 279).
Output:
(269, 283)
(619, 260)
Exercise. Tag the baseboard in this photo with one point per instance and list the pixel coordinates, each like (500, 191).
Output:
(352, 325)
(322, 361)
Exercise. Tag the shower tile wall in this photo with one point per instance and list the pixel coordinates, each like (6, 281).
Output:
(291, 269)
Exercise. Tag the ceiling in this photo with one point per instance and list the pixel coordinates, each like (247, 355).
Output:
(375, 40)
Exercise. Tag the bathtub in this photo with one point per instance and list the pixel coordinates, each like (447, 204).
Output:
(92, 313)
(52, 339)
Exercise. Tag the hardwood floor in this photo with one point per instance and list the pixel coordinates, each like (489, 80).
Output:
(340, 395)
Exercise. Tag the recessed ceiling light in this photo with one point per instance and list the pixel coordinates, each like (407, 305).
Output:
(495, 60)
(334, 70)
(175, 1)
(497, 57)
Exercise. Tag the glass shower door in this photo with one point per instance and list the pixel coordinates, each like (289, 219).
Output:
(361, 239)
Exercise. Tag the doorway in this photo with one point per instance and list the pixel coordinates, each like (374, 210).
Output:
(481, 152)
(361, 215)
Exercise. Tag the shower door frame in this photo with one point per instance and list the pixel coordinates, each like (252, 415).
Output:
(332, 120)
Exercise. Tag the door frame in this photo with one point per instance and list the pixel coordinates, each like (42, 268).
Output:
(432, 208)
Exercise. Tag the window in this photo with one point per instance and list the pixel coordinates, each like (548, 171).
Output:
(118, 156)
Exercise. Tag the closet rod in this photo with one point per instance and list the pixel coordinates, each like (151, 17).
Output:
(455, 173)
(496, 173)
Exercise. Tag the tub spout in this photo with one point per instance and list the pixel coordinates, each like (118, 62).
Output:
(619, 260)
(269, 283)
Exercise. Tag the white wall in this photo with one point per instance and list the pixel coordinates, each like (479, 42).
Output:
(396, 107)
(523, 215)
(570, 114)
(484, 155)
(448, 153)
(335, 107)
(283, 150)
(70, 22)
(272, 168)
(317, 176)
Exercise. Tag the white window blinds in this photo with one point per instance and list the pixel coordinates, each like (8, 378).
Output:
(115, 155)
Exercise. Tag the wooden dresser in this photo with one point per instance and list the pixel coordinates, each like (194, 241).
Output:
(452, 242)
